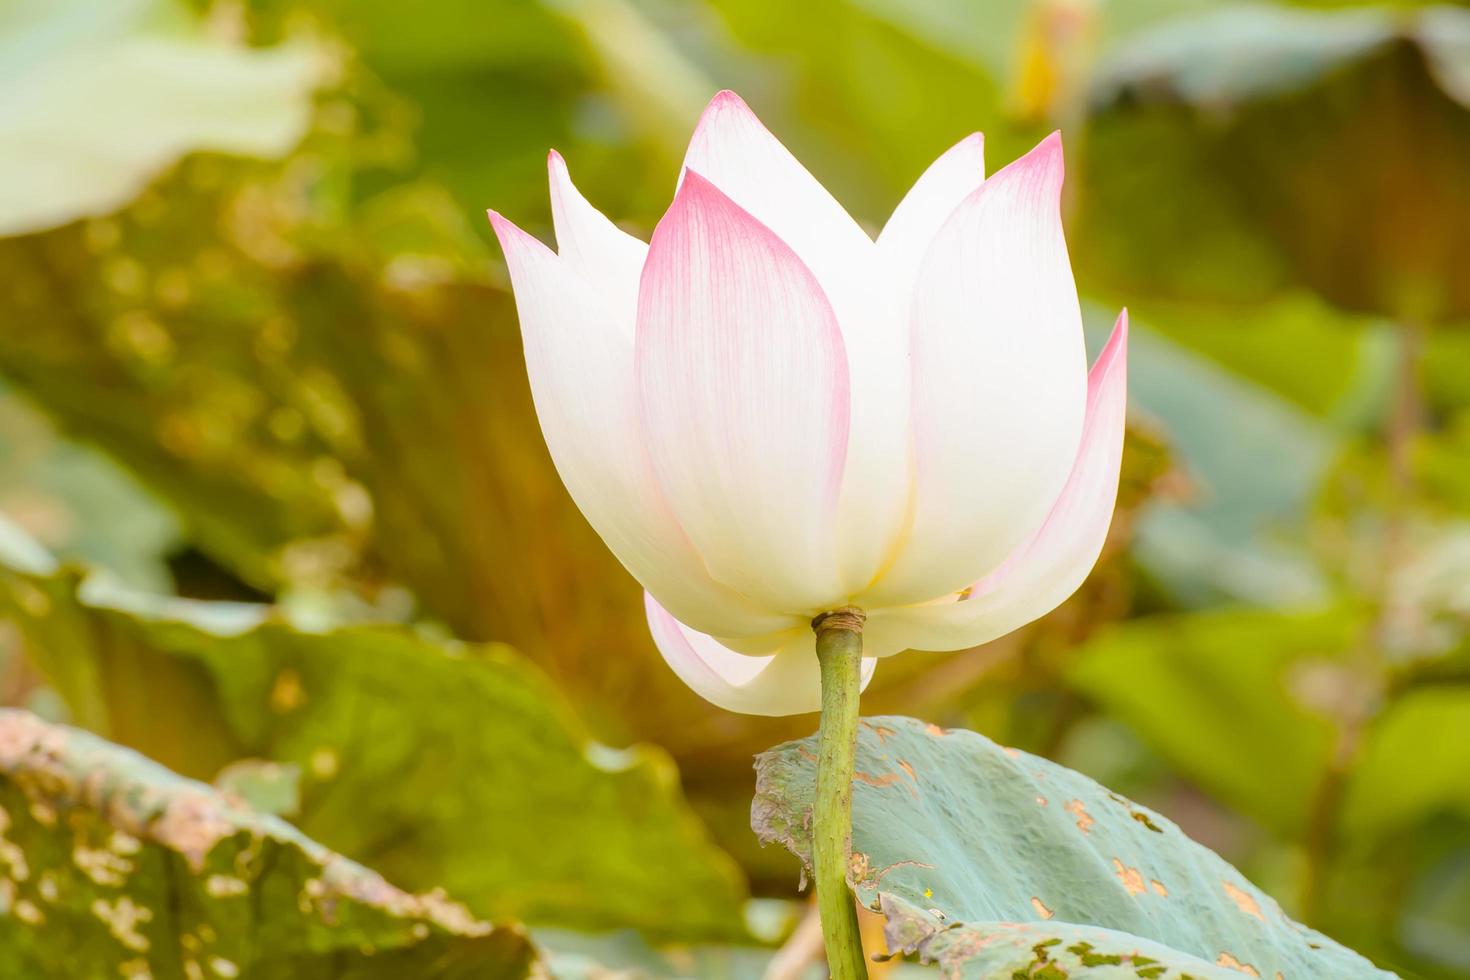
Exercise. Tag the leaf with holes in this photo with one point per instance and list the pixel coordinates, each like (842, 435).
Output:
(110, 865)
(988, 859)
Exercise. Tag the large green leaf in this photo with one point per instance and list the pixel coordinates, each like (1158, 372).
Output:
(100, 98)
(960, 841)
(110, 865)
(494, 790)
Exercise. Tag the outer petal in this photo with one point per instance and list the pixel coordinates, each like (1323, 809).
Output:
(1041, 573)
(735, 152)
(784, 682)
(581, 372)
(593, 247)
(743, 392)
(905, 240)
(999, 381)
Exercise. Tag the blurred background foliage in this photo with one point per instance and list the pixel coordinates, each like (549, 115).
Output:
(273, 498)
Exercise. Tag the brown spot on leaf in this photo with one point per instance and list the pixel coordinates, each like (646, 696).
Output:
(1041, 908)
(878, 875)
(1143, 818)
(122, 919)
(224, 886)
(1078, 809)
(1012, 753)
(1244, 900)
(192, 824)
(935, 730)
(1041, 801)
(1230, 962)
(903, 764)
(1158, 887)
(103, 866)
(884, 734)
(11, 854)
(23, 735)
(1131, 878)
(887, 779)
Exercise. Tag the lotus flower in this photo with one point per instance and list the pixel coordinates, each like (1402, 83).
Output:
(766, 414)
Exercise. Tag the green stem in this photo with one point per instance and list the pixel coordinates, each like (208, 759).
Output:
(840, 653)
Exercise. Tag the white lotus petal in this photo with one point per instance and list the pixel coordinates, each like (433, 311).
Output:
(590, 245)
(1041, 573)
(785, 681)
(999, 381)
(734, 151)
(743, 392)
(581, 373)
(924, 210)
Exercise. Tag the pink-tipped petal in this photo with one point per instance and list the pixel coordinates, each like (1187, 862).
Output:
(925, 208)
(1044, 570)
(743, 389)
(734, 151)
(581, 374)
(785, 681)
(999, 381)
(593, 247)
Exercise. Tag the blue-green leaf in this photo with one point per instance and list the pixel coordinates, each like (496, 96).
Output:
(966, 845)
